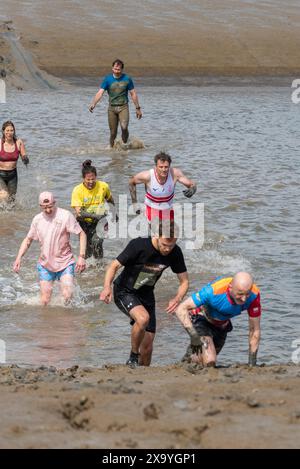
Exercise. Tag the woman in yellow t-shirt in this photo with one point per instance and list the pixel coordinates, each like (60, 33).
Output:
(88, 200)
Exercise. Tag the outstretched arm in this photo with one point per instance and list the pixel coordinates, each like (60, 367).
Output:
(96, 99)
(182, 179)
(106, 294)
(135, 100)
(25, 245)
(181, 292)
(140, 178)
(80, 266)
(22, 150)
(183, 315)
(254, 339)
(111, 201)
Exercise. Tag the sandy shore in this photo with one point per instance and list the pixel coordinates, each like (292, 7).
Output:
(171, 39)
(168, 407)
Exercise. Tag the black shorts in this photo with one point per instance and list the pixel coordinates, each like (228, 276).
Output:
(9, 181)
(205, 328)
(125, 300)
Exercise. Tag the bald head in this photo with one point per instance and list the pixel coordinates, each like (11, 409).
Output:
(240, 287)
(243, 281)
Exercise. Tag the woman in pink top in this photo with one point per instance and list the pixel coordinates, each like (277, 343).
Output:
(52, 228)
(11, 148)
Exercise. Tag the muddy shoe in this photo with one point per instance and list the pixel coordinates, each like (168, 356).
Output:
(133, 360)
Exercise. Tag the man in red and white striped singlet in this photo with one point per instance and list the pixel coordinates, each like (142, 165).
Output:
(160, 185)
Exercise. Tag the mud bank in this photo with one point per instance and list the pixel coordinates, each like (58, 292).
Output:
(159, 407)
(166, 39)
(17, 64)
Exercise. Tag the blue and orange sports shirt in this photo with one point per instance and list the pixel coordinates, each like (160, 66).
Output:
(219, 305)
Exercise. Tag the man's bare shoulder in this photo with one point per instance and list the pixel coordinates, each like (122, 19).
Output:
(142, 177)
(177, 172)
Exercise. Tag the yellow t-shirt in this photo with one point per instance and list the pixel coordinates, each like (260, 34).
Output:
(92, 200)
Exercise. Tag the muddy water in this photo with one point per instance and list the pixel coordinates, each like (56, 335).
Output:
(241, 146)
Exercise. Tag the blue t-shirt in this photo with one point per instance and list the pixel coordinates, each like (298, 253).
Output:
(219, 305)
(117, 89)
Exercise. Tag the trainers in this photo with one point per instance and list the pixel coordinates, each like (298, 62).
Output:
(133, 360)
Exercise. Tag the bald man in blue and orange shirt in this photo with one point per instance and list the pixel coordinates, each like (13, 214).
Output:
(207, 314)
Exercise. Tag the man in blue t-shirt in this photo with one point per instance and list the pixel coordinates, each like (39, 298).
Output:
(207, 315)
(117, 85)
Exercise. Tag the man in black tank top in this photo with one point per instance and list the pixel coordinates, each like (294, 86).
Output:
(144, 260)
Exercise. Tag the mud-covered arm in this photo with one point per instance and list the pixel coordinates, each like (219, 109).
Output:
(22, 150)
(182, 179)
(254, 339)
(140, 178)
(183, 315)
(135, 100)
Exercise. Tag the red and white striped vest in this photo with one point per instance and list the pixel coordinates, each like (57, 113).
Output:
(160, 196)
